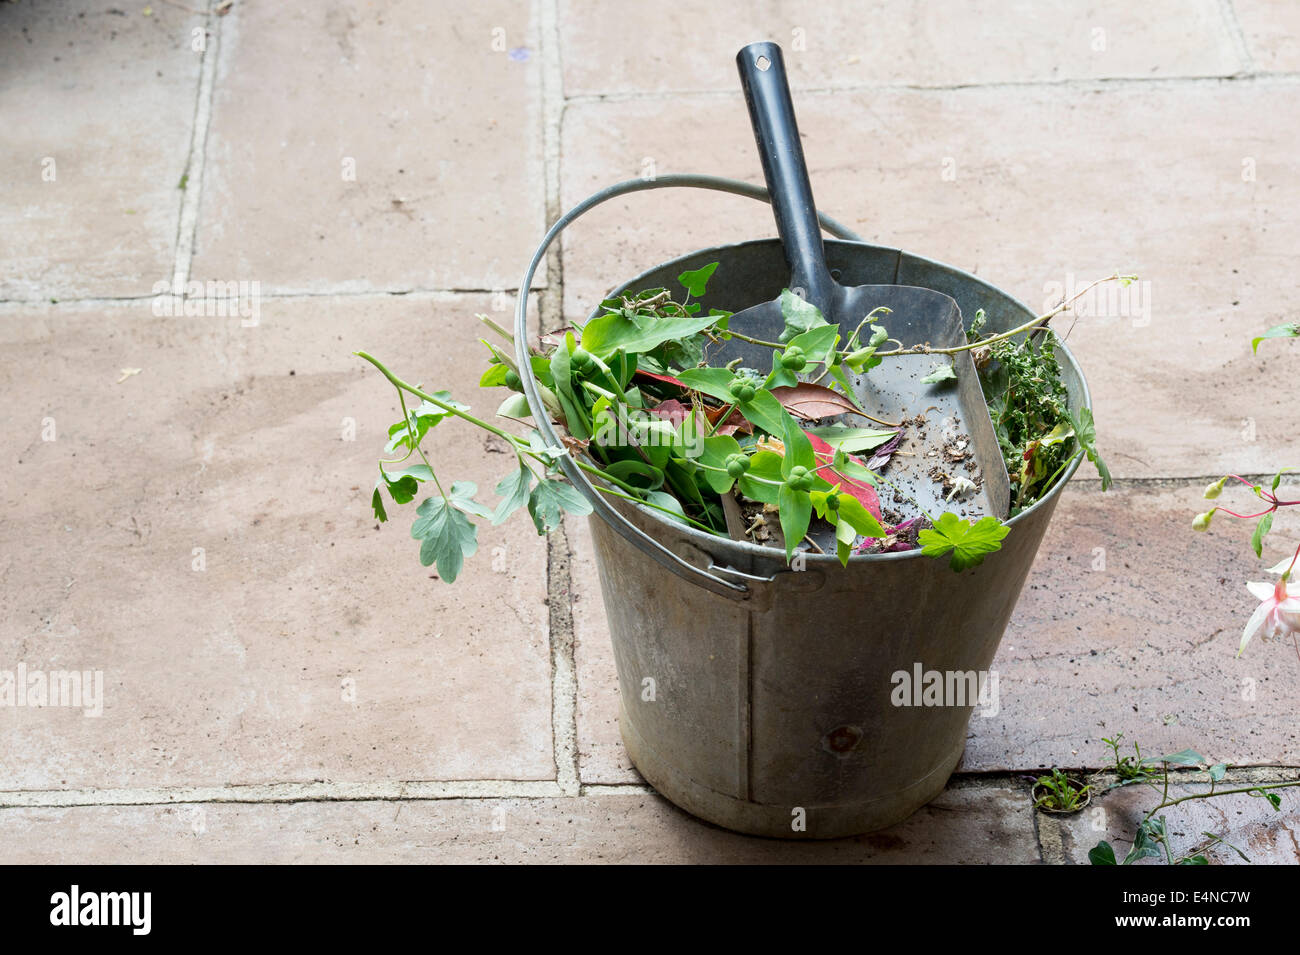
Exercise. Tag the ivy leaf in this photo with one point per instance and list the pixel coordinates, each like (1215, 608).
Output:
(513, 491)
(1290, 330)
(550, 499)
(447, 537)
(377, 502)
(1085, 432)
(697, 281)
(940, 373)
(1261, 531)
(1102, 854)
(800, 316)
(969, 543)
(1218, 771)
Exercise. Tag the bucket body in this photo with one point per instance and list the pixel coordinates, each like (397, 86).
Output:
(808, 708)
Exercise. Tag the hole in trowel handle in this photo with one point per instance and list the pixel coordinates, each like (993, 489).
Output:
(763, 63)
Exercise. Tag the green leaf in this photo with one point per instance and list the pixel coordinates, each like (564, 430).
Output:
(795, 509)
(940, 373)
(666, 502)
(852, 440)
(494, 376)
(1085, 432)
(1102, 854)
(799, 315)
(764, 411)
(462, 497)
(447, 536)
(550, 499)
(708, 381)
(611, 332)
(425, 416)
(1273, 798)
(858, 517)
(403, 485)
(1218, 771)
(513, 491)
(696, 282)
(1193, 860)
(1261, 531)
(1289, 330)
(1185, 757)
(763, 464)
(716, 450)
(969, 543)
(629, 470)
(575, 413)
(377, 502)
(817, 343)
(798, 449)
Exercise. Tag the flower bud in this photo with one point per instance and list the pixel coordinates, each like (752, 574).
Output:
(1202, 521)
(1214, 490)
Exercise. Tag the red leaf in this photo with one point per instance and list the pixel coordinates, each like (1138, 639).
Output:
(864, 492)
(809, 401)
(672, 410)
(662, 379)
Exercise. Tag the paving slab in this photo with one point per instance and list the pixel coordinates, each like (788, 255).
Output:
(1052, 187)
(97, 105)
(392, 146)
(1271, 32)
(1266, 836)
(201, 533)
(1129, 623)
(989, 824)
(839, 44)
(601, 756)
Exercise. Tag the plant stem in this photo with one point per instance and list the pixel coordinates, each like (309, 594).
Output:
(405, 386)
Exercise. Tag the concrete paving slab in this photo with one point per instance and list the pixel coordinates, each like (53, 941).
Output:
(1266, 836)
(962, 826)
(200, 532)
(1050, 187)
(393, 146)
(1271, 32)
(899, 42)
(97, 104)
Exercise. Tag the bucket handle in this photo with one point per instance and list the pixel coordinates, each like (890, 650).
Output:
(715, 578)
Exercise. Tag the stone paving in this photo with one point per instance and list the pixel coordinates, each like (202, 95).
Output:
(185, 495)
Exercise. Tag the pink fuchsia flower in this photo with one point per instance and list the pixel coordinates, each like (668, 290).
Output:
(1278, 613)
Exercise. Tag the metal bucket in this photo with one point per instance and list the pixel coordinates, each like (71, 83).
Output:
(764, 699)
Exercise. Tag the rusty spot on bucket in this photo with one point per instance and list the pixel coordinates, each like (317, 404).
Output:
(842, 740)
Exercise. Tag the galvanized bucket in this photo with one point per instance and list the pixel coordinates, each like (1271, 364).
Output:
(766, 699)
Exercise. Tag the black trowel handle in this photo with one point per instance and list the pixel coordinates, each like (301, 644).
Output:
(771, 112)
